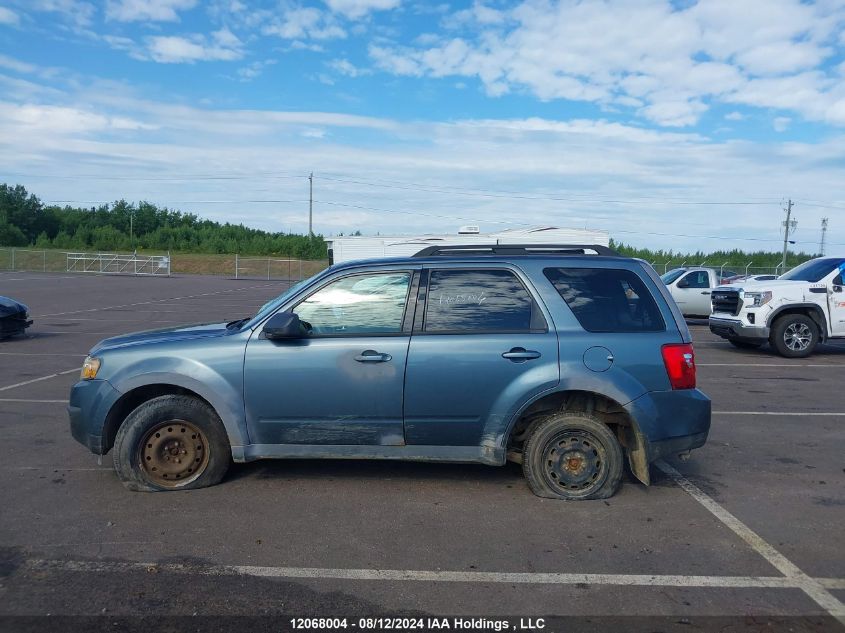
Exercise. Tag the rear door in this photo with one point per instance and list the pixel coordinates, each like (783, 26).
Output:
(482, 346)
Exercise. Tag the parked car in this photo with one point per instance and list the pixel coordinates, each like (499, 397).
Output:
(747, 278)
(565, 359)
(793, 313)
(14, 318)
(691, 288)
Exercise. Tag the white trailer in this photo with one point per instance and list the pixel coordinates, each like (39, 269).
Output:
(343, 248)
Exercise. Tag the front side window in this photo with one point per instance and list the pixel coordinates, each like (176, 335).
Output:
(358, 305)
(477, 301)
(698, 279)
(607, 300)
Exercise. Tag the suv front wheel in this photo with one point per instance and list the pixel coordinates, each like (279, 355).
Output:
(171, 442)
(572, 456)
(794, 336)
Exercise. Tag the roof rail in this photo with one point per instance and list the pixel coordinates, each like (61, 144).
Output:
(516, 250)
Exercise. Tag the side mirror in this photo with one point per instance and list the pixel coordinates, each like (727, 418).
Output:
(284, 325)
(837, 281)
(683, 283)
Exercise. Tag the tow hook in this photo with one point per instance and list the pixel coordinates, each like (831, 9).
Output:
(684, 456)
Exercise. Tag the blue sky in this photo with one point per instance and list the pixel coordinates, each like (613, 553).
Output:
(671, 124)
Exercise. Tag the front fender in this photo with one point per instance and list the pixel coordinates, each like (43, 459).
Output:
(225, 397)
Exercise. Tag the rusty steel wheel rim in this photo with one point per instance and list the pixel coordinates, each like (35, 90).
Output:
(174, 453)
(575, 461)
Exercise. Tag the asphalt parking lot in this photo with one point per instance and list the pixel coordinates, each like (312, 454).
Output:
(750, 528)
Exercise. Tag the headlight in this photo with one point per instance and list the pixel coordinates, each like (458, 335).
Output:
(90, 368)
(757, 299)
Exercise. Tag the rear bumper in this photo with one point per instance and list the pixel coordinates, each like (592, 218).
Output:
(729, 328)
(671, 422)
(90, 403)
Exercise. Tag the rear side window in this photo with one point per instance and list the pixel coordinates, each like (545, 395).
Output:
(476, 301)
(607, 300)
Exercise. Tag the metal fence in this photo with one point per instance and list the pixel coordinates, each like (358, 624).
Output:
(748, 269)
(117, 263)
(26, 259)
(273, 268)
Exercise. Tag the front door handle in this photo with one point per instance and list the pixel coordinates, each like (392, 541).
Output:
(372, 356)
(520, 353)
(706, 292)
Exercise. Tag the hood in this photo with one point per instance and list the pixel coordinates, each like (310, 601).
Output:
(163, 335)
(9, 307)
(761, 286)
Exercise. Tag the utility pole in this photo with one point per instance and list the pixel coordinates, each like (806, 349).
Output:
(311, 205)
(787, 225)
(822, 242)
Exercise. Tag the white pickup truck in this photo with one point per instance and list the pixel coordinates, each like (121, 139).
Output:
(691, 288)
(793, 313)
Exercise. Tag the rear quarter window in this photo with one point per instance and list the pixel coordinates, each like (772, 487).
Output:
(607, 299)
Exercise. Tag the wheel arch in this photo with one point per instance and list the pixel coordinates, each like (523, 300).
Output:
(217, 394)
(609, 410)
(812, 310)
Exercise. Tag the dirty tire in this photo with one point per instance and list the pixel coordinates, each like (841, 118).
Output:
(143, 437)
(572, 456)
(741, 344)
(794, 336)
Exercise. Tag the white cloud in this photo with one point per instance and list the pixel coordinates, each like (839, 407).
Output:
(147, 10)
(255, 69)
(78, 12)
(9, 17)
(734, 116)
(345, 67)
(355, 9)
(223, 45)
(304, 23)
(781, 123)
(669, 63)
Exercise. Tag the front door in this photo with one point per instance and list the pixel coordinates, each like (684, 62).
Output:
(836, 302)
(482, 347)
(343, 384)
(693, 293)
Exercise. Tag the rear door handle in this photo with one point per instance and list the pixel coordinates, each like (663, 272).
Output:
(706, 292)
(372, 356)
(520, 353)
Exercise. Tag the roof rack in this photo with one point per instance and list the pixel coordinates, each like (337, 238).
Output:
(516, 250)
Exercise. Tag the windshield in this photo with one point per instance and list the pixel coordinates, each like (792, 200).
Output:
(815, 269)
(672, 275)
(271, 305)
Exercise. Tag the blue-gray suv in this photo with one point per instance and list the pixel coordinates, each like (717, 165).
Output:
(566, 359)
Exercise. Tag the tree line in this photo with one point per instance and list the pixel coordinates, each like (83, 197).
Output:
(736, 259)
(26, 221)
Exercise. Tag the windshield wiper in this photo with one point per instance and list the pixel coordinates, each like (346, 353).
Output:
(236, 324)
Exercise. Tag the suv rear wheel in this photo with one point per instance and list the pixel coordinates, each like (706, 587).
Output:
(572, 456)
(172, 442)
(794, 335)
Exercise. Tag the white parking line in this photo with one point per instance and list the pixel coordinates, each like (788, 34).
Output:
(812, 587)
(81, 355)
(839, 366)
(142, 303)
(29, 382)
(400, 575)
(31, 400)
(798, 413)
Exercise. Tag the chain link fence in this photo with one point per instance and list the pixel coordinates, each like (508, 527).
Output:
(31, 260)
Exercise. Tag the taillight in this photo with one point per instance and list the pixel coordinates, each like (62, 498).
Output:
(680, 365)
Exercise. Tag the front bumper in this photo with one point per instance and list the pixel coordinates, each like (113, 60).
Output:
(731, 328)
(90, 403)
